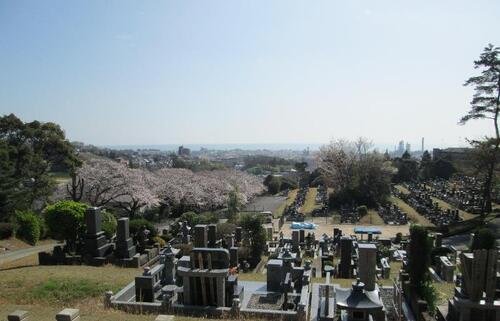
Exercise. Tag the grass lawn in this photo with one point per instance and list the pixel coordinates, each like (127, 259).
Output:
(289, 200)
(372, 218)
(412, 214)
(402, 189)
(310, 202)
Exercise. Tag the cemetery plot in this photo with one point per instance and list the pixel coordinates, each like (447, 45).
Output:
(462, 192)
(279, 211)
(420, 199)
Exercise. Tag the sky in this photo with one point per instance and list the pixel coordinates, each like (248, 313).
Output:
(219, 72)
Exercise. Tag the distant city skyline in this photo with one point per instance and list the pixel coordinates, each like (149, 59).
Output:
(243, 72)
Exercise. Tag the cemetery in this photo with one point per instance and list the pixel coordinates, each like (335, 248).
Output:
(96, 249)
(420, 199)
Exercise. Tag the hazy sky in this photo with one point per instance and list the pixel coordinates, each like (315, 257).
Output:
(160, 72)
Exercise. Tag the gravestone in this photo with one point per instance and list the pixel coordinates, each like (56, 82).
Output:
(186, 238)
(200, 236)
(238, 235)
(295, 240)
(212, 235)
(18, 315)
(386, 268)
(446, 269)
(345, 265)
(68, 315)
(145, 286)
(233, 257)
(96, 243)
(274, 275)
(367, 264)
(124, 244)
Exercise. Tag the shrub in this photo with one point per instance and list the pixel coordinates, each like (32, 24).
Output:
(362, 210)
(159, 240)
(185, 249)
(108, 224)
(204, 218)
(254, 235)
(419, 256)
(484, 239)
(65, 221)
(430, 295)
(28, 226)
(225, 229)
(136, 224)
(6, 230)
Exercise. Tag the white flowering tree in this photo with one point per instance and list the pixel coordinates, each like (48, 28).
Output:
(109, 183)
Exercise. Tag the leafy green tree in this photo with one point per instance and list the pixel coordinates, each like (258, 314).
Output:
(485, 104)
(109, 224)
(65, 221)
(442, 168)
(407, 169)
(28, 152)
(27, 226)
(234, 204)
(254, 235)
(356, 173)
(419, 255)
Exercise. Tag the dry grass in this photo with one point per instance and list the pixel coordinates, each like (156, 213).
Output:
(410, 211)
(372, 218)
(20, 285)
(310, 201)
(13, 244)
(26, 261)
(402, 189)
(289, 200)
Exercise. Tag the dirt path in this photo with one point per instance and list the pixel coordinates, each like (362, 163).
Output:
(10, 256)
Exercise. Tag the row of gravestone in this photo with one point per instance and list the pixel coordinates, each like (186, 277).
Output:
(292, 211)
(66, 315)
(392, 214)
(421, 200)
(463, 192)
(98, 250)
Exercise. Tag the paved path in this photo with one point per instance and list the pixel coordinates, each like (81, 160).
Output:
(10, 256)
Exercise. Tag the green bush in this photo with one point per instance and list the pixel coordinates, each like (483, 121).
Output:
(28, 226)
(65, 220)
(430, 295)
(362, 210)
(6, 230)
(108, 224)
(136, 224)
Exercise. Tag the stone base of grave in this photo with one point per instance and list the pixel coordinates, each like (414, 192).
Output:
(97, 245)
(18, 315)
(125, 249)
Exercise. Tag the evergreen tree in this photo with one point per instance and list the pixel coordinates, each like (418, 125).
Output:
(485, 104)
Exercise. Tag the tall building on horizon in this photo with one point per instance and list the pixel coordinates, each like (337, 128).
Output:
(401, 147)
(423, 145)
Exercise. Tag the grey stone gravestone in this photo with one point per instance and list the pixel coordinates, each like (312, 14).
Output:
(124, 244)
